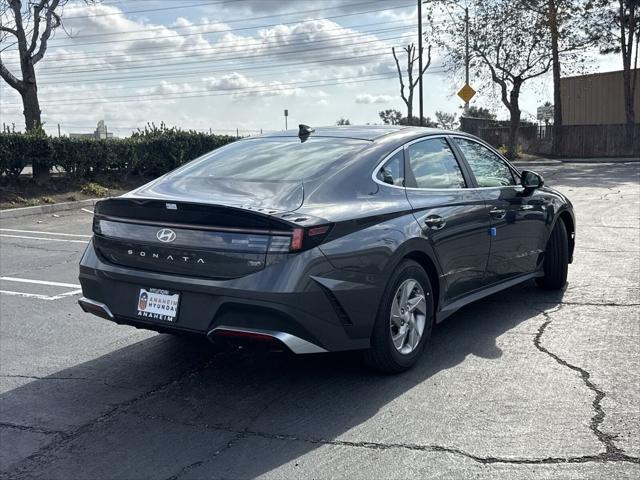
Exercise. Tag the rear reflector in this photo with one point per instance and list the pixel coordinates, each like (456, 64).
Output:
(243, 334)
(318, 230)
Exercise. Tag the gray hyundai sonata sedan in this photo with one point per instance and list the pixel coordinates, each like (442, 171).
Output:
(354, 238)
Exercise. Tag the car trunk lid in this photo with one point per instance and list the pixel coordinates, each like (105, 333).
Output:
(193, 239)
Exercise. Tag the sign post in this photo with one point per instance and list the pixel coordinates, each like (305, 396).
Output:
(286, 114)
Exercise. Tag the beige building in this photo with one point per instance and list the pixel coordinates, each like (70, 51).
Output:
(100, 133)
(596, 99)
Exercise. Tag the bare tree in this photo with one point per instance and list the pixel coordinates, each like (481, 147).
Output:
(30, 25)
(412, 58)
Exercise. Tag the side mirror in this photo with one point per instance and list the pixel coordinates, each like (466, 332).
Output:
(531, 179)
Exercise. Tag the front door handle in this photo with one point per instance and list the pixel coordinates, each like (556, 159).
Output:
(498, 213)
(435, 222)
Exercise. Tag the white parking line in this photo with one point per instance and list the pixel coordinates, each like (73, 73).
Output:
(41, 297)
(40, 282)
(43, 233)
(76, 289)
(87, 210)
(44, 238)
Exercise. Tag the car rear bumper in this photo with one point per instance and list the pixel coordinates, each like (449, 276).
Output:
(304, 303)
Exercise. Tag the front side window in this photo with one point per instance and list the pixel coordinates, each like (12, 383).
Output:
(489, 169)
(392, 172)
(433, 165)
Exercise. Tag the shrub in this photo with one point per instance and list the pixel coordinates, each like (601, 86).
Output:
(94, 190)
(152, 151)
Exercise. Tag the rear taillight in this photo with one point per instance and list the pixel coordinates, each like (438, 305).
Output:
(296, 239)
(301, 239)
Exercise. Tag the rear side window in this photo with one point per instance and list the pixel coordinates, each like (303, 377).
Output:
(489, 169)
(392, 172)
(272, 159)
(433, 165)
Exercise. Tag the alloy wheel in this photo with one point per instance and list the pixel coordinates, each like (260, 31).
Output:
(408, 316)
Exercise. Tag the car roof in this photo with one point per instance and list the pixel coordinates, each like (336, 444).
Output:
(360, 132)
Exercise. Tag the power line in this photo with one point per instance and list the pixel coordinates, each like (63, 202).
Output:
(200, 73)
(216, 59)
(254, 89)
(237, 29)
(248, 91)
(123, 53)
(175, 7)
(190, 73)
(203, 53)
(159, 27)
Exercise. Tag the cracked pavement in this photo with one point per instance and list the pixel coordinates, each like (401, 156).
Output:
(523, 384)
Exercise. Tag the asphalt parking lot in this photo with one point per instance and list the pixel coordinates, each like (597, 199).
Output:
(524, 384)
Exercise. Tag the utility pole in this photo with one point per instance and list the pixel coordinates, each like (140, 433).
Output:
(466, 54)
(286, 115)
(420, 61)
(58, 130)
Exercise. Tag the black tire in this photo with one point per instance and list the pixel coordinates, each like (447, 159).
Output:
(556, 259)
(383, 355)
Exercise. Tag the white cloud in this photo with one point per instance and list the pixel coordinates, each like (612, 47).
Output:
(367, 98)
(229, 67)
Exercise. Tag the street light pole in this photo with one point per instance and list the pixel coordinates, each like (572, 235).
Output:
(466, 56)
(420, 60)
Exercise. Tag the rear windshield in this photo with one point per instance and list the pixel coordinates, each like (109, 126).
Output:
(282, 159)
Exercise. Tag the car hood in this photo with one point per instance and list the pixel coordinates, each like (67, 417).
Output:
(270, 196)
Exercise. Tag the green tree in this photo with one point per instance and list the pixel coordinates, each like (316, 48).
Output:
(30, 24)
(479, 112)
(390, 116)
(415, 122)
(445, 120)
(564, 24)
(508, 43)
(343, 121)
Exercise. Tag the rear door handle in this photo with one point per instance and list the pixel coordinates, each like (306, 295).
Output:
(498, 213)
(435, 222)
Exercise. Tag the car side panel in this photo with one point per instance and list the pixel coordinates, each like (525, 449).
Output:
(462, 243)
(520, 218)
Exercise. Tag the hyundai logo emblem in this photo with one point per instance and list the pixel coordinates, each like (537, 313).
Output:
(166, 235)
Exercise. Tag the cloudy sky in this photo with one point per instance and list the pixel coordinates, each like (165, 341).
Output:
(227, 64)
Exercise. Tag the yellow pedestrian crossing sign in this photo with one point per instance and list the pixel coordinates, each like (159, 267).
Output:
(466, 93)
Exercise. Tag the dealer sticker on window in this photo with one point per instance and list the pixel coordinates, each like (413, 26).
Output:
(158, 304)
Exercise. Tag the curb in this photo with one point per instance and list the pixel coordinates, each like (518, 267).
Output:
(49, 208)
(602, 160)
(531, 163)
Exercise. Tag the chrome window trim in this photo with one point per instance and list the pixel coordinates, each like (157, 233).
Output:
(445, 136)
(404, 147)
(374, 175)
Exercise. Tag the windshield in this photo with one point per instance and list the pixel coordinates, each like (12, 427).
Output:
(282, 159)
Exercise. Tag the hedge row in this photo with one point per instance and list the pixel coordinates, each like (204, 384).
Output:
(150, 152)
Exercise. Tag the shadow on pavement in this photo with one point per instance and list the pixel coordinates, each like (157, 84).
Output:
(155, 407)
(589, 175)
